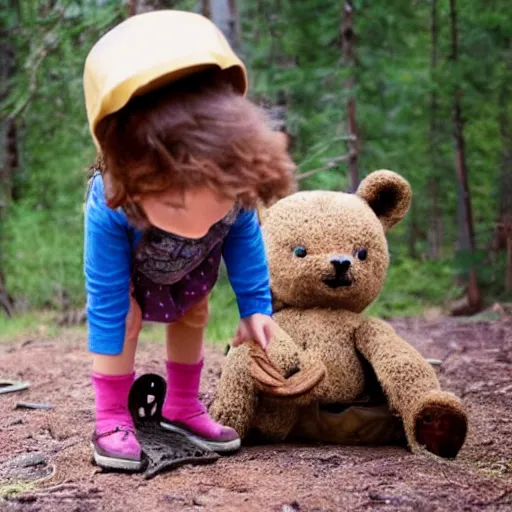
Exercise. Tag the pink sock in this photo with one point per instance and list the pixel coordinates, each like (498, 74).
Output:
(112, 413)
(182, 403)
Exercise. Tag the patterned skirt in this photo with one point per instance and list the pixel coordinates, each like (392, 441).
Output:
(167, 303)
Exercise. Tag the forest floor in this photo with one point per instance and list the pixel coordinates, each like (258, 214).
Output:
(45, 460)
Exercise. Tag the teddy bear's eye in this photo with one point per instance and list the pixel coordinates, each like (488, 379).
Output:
(362, 254)
(300, 252)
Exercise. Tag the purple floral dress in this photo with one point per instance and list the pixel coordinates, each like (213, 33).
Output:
(171, 274)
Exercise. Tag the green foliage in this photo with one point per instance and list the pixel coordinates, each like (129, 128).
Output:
(21, 326)
(8, 491)
(394, 86)
(293, 52)
(414, 285)
(43, 230)
(224, 313)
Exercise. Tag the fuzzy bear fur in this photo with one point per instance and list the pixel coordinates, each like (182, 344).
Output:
(322, 324)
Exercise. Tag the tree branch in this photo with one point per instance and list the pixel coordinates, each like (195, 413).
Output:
(34, 62)
(330, 165)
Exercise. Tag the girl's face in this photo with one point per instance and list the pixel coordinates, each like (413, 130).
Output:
(189, 213)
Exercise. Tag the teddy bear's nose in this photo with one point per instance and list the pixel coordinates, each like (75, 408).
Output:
(341, 264)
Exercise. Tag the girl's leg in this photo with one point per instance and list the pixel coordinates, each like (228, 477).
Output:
(185, 337)
(115, 445)
(182, 409)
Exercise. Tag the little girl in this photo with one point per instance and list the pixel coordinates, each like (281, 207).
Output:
(185, 160)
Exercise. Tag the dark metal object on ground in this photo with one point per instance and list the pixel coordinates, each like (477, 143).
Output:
(163, 450)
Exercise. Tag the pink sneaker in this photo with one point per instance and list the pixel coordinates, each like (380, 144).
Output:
(205, 432)
(183, 412)
(117, 449)
(114, 442)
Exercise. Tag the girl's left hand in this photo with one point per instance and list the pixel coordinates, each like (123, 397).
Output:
(260, 328)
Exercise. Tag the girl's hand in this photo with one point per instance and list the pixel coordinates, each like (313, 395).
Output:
(260, 328)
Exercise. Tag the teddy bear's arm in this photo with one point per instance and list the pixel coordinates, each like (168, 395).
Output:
(432, 418)
(285, 354)
(238, 394)
(284, 370)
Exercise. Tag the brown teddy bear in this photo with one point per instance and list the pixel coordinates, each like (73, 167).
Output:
(333, 374)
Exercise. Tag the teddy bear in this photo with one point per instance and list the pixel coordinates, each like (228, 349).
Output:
(333, 374)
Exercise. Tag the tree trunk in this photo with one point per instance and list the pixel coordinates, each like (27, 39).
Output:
(504, 227)
(348, 46)
(235, 29)
(206, 9)
(224, 13)
(508, 273)
(413, 232)
(9, 155)
(435, 230)
(466, 228)
(141, 6)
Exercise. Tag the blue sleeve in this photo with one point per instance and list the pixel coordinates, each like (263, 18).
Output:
(246, 263)
(107, 264)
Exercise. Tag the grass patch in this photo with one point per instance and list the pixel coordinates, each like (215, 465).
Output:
(224, 316)
(34, 323)
(499, 468)
(413, 286)
(484, 316)
(11, 490)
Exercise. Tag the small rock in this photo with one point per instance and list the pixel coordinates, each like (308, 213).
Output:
(198, 501)
(170, 498)
(476, 386)
(291, 507)
(25, 498)
(27, 460)
(27, 405)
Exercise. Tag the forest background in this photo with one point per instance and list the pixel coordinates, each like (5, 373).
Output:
(422, 87)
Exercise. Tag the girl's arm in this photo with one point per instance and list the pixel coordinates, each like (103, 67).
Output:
(246, 263)
(107, 264)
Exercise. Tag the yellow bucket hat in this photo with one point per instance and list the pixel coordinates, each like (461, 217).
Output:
(148, 51)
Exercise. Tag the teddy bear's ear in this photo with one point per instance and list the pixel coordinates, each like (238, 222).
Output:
(388, 194)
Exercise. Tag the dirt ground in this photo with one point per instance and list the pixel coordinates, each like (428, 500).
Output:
(45, 459)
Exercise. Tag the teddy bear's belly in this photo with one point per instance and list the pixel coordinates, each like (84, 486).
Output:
(328, 336)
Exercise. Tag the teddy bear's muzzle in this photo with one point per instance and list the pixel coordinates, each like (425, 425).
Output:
(342, 276)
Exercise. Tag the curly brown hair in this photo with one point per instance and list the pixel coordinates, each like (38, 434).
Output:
(195, 132)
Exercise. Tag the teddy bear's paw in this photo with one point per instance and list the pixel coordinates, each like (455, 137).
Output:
(269, 379)
(441, 429)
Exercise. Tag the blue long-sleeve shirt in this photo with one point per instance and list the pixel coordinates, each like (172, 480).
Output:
(108, 248)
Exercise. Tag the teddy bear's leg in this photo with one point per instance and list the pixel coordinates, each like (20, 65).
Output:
(236, 399)
(432, 418)
(275, 419)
